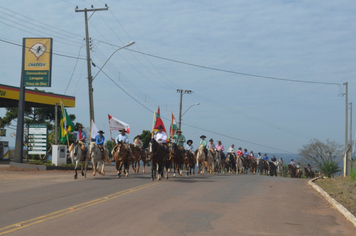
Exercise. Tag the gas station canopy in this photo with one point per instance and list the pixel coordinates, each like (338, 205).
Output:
(9, 97)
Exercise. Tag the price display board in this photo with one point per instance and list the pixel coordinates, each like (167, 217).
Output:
(37, 139)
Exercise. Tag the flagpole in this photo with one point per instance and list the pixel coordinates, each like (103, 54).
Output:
(110, 127)
(171, 127)
(91, 129)
(153, 123)
(62, 106)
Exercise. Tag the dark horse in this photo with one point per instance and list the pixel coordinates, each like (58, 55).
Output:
(263, 166)
(309, 173)
(272, 169)
(158, 156)
(189, 161)
(176, 156)
(230, 163)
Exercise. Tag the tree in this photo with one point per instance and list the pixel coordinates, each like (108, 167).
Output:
(329, 168)
(110, 145)
(317, 153)
(145, 138)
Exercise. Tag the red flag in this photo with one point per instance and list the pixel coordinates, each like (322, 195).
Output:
(158, 122)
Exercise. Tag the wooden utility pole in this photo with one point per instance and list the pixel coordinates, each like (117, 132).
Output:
(90, 78)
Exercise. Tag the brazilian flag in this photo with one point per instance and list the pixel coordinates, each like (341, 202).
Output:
(65, 122)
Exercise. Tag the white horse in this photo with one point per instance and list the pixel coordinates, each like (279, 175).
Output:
(77, 157)
(201, 159)
(280, 167)
(97, 158)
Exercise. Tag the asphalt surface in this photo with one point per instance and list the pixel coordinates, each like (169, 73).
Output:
(53, 203)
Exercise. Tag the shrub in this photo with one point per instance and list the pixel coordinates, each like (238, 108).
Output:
(353, 173)
(329, 168)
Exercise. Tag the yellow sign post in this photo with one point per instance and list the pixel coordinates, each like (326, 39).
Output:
(37, 62)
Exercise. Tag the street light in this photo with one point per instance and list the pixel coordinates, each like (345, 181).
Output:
(196, 104)
(180, 116)
(127, 45)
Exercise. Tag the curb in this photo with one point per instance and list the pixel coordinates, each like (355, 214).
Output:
(41, 167)
(350, 217)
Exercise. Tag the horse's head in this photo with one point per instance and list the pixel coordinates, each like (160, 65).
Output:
(152, 145)
(91, 147)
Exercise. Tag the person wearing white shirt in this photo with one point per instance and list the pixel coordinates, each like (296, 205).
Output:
(189, 145)
(161, 137)
(122, 137)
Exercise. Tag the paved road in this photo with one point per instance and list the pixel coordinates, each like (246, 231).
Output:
(53, 204)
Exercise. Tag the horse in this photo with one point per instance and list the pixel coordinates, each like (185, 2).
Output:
(218, 163)
(245, 163)
(294, 171)
(189, 161)
(210, 167)
(263, 166)
(158, 156)
(309, 173)
(239, 165)
(76, 154)
(280, 167)
(122, 158)
(272, 169)
(176, 156)
(230, 162)
(137, 155)
(97, 158)
(253, 165)
(200, 159)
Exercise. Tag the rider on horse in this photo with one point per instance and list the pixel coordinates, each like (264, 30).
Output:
(220, 147)
(137, 142)
(251, 155)
(122, 136)
(99, 140)
(178, 138)
(211, 146)
(81, 136)
(232, 150)
(189, 146)
(239, 152)
(274, 160)
(161, 138)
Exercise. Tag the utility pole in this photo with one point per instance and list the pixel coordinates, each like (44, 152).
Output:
(181, 91)
(346, 129)
(349, 159)
(90, 79)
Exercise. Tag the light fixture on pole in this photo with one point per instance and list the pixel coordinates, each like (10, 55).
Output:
(195, 104)
(127, 45)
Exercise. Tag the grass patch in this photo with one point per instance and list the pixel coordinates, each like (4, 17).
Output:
(342, 190)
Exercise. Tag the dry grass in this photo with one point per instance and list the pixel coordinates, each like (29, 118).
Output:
(342, 190)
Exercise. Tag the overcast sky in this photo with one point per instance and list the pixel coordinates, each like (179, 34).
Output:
(292, 40)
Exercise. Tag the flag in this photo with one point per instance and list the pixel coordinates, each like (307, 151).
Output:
(116, 124)
(65, 122)
(158, 121)
(94, 130)
(174, 126)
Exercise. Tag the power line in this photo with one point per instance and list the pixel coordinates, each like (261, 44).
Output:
(232, 72)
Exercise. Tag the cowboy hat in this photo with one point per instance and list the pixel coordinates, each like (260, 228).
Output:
(160, 127)
(179, 131)
(203, 136)
(138, 136)
(101, 132)
(211, 140)
(190, 141)
(122, 130)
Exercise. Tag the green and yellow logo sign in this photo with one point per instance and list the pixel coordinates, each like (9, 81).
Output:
(37, 62)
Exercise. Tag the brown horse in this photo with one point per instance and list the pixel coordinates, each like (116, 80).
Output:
(294, 171)
(189, 161)
(253, 165)
(201, 158)
(137, 155)
(245, 163)
(158, 156)
(122, 159)
(176, 156)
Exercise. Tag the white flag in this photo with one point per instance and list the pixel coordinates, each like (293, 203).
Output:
(94, 130)
(116, 124)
